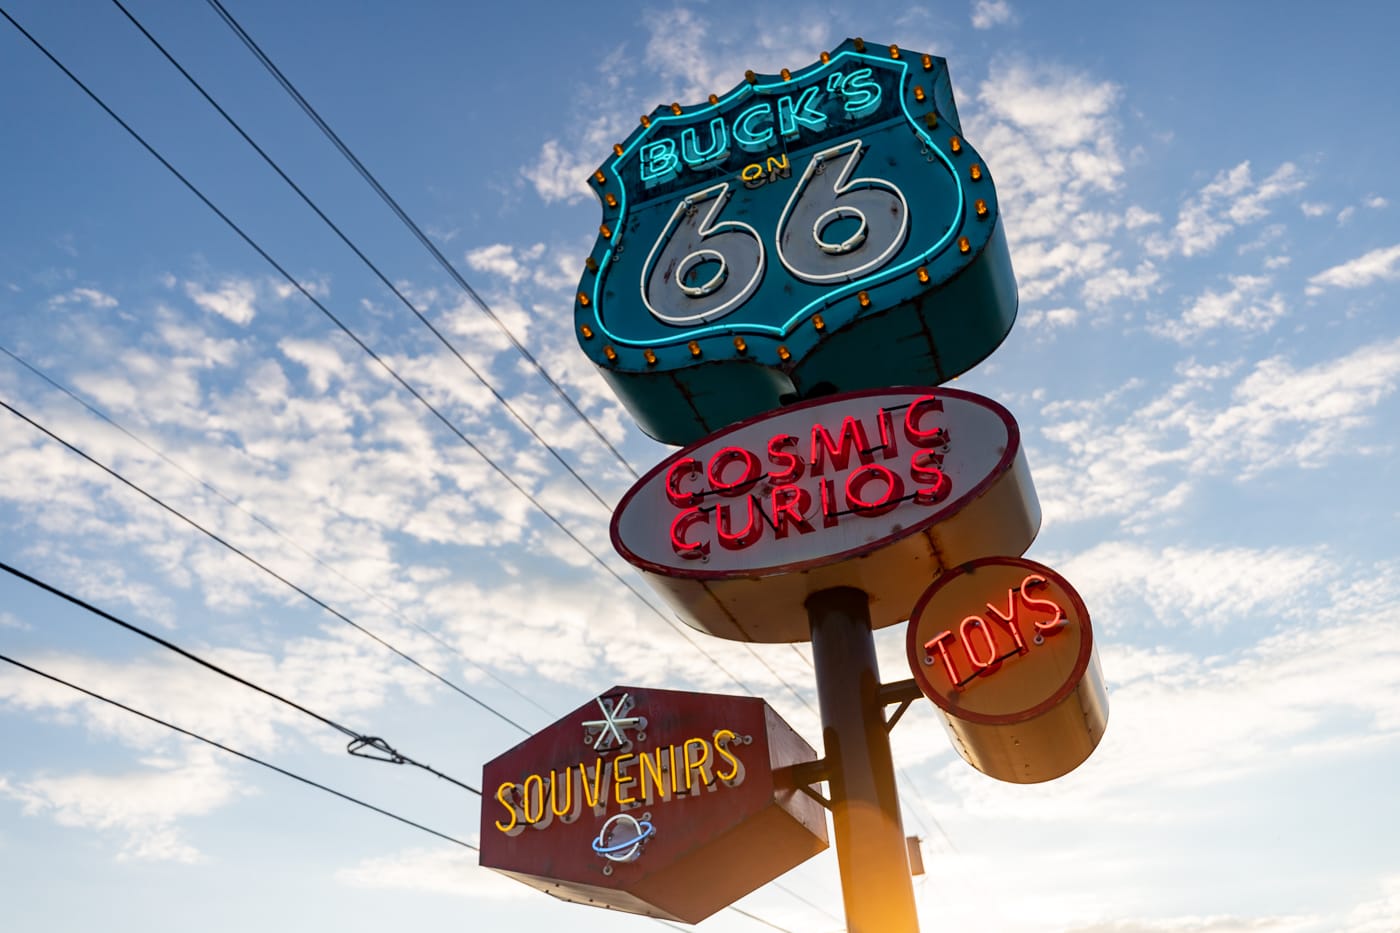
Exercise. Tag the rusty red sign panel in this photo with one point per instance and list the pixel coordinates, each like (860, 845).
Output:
(657, 802)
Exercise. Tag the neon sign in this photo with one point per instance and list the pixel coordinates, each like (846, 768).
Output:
(630, 798)
(872, 489)
(828, 226)
(1003, 647)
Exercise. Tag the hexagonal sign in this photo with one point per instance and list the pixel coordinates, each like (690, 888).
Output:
(657, 802)
(822, 230)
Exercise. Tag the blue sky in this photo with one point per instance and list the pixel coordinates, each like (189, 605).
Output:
(1201, 206)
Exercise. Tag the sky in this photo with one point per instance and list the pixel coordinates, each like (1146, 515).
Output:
(1201, 207)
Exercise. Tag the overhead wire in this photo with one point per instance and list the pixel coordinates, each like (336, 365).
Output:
(423, 238)
(306, 594)
(413, 227)
(403, 299)
(379, 360)
(97, 412)
(358, 740)
(233, 751)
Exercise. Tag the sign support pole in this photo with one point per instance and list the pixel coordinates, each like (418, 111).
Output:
(875, 883)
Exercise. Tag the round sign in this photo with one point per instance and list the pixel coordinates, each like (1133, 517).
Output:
(1003, 646)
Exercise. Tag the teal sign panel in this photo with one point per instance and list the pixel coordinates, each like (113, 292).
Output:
(810, 232)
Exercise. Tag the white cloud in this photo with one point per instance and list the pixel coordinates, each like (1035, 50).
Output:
(1115, 458)
(91, 297)
(558, 174)
(1051, 139)
(232, 299)
(1110, 285)
(1379, 265)
(989, 13)
(142, 807)
(1230, 201)
(452, 872)
(1137, 217)
(1314, 208)
(1051, 318)
(1376, 202)
(512, 264)
(1247, 306)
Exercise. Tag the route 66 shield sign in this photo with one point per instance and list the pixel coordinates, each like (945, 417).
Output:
(814, 231)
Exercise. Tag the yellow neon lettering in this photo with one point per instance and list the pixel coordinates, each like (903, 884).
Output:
(778, 163)
(568, 792)
(674, 788)
(501, 793)
(751, 172)
(591, 799)
(700, 763)
(620, 779)
(722, 739)
(539, 782)
(652, 776)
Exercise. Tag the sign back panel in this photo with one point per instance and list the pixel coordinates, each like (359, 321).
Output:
(826, 229)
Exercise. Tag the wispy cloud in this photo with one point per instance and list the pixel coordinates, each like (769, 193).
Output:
(1379, 265)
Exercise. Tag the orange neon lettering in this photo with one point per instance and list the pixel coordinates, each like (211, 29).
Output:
(1045, 626)
(976, 624)
(936, 644)
(1008, 621)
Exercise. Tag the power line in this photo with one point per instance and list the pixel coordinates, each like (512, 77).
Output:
(306, 293)
(408, 222)
(268, 525)
(442, 338)
(257, 563)
(358, 741)
(234, 751)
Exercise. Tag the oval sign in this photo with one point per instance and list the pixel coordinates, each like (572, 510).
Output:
(801, 495)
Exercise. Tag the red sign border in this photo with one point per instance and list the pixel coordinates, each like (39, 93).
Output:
(915, 651)
(947, 511)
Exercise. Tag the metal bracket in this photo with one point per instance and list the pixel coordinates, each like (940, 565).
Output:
(806, 773)
(903, 692)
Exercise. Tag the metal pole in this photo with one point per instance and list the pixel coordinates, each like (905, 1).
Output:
(875, 883)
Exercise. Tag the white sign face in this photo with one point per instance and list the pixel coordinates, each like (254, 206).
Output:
(815, 483)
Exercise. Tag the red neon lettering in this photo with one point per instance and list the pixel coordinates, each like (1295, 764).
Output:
(686, 466)
(887, 439)
(855, 487)
(737, 541)
(975, 623)
(941, 484)
(851, 438)
(936, 644)
(1046, 627)
(830, 512)
(791, 463)
(752, 471)
(918, 436)
(790, 505)
(1008, 620)
(690, 550)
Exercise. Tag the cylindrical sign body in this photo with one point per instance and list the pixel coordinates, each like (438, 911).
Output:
(1004, 648)
(880, 490)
